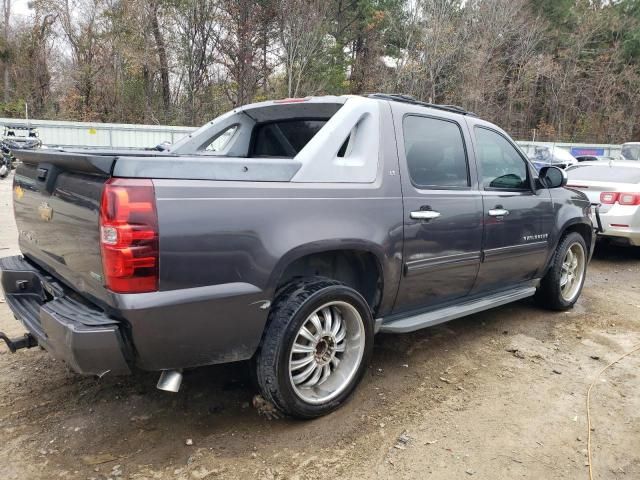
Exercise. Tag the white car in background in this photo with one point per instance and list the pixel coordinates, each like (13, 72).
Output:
(545, 156)
(615, 185)
(630, 151)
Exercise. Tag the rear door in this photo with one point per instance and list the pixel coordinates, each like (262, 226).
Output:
(442, 209)
(517, 218)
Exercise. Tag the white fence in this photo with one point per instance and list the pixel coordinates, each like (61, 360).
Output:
(123, 135)
(574, 148)
(107, 135)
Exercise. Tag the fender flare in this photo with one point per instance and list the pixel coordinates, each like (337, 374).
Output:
(384, 263)
(582, 221)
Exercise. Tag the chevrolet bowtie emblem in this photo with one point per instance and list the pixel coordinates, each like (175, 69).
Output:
(19, 192)
(45, 211)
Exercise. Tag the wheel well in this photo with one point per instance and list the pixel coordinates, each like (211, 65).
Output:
(359, 270)
(582, 229)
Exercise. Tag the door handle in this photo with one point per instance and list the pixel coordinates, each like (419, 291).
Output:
(424, 214)
(498, 212)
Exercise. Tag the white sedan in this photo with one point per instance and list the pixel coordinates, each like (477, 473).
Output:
(615, 185)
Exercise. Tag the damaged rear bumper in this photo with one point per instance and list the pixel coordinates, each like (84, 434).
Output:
(86, 338)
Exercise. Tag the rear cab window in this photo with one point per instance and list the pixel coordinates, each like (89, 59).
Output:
(266, 131)
(283, 139)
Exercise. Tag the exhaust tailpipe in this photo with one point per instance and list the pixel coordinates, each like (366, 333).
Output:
(170, 381)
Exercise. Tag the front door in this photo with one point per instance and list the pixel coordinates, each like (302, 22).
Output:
(517, 217)
(442, 211)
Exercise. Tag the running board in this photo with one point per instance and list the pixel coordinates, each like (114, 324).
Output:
(435, 317)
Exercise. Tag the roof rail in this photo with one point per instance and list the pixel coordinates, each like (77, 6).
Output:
(399, 97)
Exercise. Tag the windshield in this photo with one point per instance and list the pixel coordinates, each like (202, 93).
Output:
(605, 173)
(631, 152)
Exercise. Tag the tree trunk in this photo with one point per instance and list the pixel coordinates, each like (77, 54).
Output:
(432, 80)
(244, 48)
(7, 16)
(357, 72)
(146, 79)
(162, 58)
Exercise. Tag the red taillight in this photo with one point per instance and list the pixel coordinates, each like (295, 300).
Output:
(608, 198)
(623, 198)
(629, 199)
(129, 236)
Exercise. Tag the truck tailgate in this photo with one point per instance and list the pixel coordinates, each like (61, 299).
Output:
(57, 202)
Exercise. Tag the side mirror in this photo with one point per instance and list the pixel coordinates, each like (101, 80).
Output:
(553, 177)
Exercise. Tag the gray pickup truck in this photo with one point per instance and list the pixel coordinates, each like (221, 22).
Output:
(289, 233)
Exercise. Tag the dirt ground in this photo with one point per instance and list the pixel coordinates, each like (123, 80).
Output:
(499, 395)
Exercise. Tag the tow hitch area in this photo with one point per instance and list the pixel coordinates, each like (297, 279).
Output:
(15, 344)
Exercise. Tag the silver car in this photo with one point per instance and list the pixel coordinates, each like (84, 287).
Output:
(615, 185)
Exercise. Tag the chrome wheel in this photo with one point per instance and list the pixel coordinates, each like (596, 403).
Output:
(327, 352)
(572, 272)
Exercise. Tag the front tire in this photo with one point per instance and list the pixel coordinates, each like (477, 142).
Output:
(562, 285)
(316, 348)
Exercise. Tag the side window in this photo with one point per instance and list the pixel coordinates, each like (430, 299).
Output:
(435, 153)
(501, 166)
(220, 141)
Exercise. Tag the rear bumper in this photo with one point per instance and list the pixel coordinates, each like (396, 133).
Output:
(152, 331)
(87, 339)
(632, 237)
(622, 221)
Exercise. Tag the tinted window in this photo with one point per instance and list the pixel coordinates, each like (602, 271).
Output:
(501, 166)
(284, 139)
(604, 173)
(435, 152)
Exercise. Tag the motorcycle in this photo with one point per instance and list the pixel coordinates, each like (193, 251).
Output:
(18, 137)
(6, 161)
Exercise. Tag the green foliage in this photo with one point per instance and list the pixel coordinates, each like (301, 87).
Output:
(13, 109)
(629, 11)
(559, 13)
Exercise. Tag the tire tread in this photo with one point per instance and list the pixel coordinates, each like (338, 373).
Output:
(549, 294)
(288, 301)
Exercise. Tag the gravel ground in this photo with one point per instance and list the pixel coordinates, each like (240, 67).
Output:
(498, 395)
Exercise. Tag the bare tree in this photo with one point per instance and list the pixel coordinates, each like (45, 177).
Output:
(435, 44)
(303, 27)
(82, 33)
(504, 62)
(239, 44)
(198, 31)
(6, 10)
(154, 7)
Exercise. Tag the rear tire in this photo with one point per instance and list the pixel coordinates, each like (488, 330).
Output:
(562, 285)
(316, 348)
